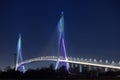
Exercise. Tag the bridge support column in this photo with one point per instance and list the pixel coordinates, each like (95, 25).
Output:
(80, 66)
(89, 68)
(106, 69)
(72, 65)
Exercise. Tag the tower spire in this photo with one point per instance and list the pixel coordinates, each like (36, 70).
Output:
(61, 42)
(19, 54)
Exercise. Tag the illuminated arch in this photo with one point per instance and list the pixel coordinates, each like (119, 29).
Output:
(62, 59)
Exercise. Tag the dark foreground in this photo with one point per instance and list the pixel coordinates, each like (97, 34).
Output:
(60, 74)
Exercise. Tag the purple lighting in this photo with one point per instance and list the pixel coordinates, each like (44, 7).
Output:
(61, 43)
(19, 54)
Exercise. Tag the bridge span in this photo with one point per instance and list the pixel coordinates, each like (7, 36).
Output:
(62, 54)
(79, 61)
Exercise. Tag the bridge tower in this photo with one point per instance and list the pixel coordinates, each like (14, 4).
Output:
(19, 55)
(61, 42)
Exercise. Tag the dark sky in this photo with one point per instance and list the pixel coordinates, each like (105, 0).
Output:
(92, 28)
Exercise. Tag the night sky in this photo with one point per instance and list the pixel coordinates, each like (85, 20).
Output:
(92, 28)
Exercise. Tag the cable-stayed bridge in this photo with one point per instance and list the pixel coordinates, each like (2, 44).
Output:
(62, 55)
(82, 61)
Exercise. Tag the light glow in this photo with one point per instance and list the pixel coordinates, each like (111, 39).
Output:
(69, 61)
(61, 42)
(19, 54)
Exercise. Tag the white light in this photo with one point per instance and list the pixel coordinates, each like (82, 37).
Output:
(74, 59)
(119, 62)
(106, 61)
(90, 60)
(100, 61)
(81, 59)
(71, 61)
(95, 60)
(113, 62)
(85, 59)
(77, 59)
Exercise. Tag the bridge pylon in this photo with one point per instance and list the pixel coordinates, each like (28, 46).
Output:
(61, 42)
(19, 55)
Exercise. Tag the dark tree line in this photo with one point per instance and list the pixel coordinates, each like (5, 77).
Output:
(59, 74)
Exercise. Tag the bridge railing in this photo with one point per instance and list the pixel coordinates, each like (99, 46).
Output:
(87, 61)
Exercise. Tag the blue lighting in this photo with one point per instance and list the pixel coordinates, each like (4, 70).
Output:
(19, 54)
(61, 42)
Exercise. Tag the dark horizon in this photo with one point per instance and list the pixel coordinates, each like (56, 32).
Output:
(92, 29)
(61, 73)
